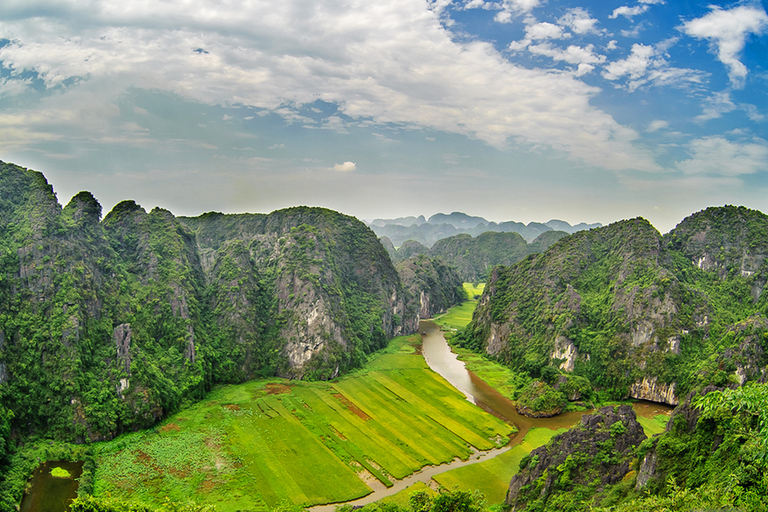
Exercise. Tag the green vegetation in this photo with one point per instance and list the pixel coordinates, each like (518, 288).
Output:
(685, 308)
(433, 286)
(108, 326)
(491, 477)
(474, 291)
(60, 473)
(655, 425)
(24, 460)
(460, 315)
(539, 399)
(273, 441)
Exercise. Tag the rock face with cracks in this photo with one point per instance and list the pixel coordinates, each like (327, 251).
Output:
(595, 453)
(635, 312)
(116, 321)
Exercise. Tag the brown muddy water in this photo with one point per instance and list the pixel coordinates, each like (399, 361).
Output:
(47, 493)
(440, 359)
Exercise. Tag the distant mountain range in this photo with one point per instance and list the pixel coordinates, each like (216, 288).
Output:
(441, 225)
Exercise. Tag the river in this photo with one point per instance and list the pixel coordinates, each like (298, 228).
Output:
(442, 360)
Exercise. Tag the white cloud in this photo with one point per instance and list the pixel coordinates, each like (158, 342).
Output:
(579, 21)
(718, 104)
(634, 65)
(658, 124)
(628, 12)
(719, 156)
(584, 57)
(385, 62)
(646, 66)
(544, 30)
(345, 167)
(512, 8)
(728, 30)
(652, 2)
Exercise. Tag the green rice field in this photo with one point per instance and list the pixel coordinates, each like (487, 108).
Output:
(491, 477)
(459, 316)
(264, 443)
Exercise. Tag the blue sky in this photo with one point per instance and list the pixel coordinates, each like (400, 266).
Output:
(522, 110)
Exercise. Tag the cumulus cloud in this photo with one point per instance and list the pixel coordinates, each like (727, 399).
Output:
(658, 124)
(628, 12)
(727, 31)
(392, 62)
(345, 167)
(718, 156)
(509, 9)
(579, 21)
(584, 57)
(645, 65)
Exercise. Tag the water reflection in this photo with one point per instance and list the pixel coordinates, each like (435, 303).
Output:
(439, 357)
(48, 493)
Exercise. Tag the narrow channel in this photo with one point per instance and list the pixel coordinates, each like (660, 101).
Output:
(442, 360)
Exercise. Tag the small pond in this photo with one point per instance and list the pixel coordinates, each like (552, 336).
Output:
(49, 493)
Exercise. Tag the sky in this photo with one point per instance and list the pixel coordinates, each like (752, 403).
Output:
(522, 110)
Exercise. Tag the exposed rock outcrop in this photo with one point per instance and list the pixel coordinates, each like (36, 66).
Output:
(433, 286)
(652, 390)
(600, 448)
(622, 304)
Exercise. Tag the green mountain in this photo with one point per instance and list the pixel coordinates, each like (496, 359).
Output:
(636, 313)
(440, 226)
(107, 325)
(473, 257)
(433, 284)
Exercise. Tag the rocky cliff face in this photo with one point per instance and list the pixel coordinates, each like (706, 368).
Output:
(636, 313)
(589, 457)
(107, 325)
(323, 277)
(432, 285)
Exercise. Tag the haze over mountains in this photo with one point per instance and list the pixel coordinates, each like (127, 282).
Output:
(441, 225)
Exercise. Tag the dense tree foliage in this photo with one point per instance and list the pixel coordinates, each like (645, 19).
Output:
(686, 309)
(108, 325)
(474, 257)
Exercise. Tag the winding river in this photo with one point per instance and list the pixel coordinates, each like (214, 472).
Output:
(439, 357)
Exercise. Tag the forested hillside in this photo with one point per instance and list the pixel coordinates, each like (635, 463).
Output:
(109, 325)
(474, 257)
(636, 313)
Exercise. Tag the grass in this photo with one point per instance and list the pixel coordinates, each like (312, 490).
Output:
(654, 425)
(491, 477)
(401, 499)
(263, 443)
(459, 316)
(473, 291)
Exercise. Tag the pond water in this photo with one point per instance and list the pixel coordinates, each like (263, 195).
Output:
(48, 493)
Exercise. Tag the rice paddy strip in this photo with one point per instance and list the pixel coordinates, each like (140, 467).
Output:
(492, 476)
(259, 444)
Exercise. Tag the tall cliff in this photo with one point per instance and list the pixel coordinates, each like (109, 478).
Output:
(580, 463)
(107, 325)
(322, 277)
(432, 284)
(636, 313)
